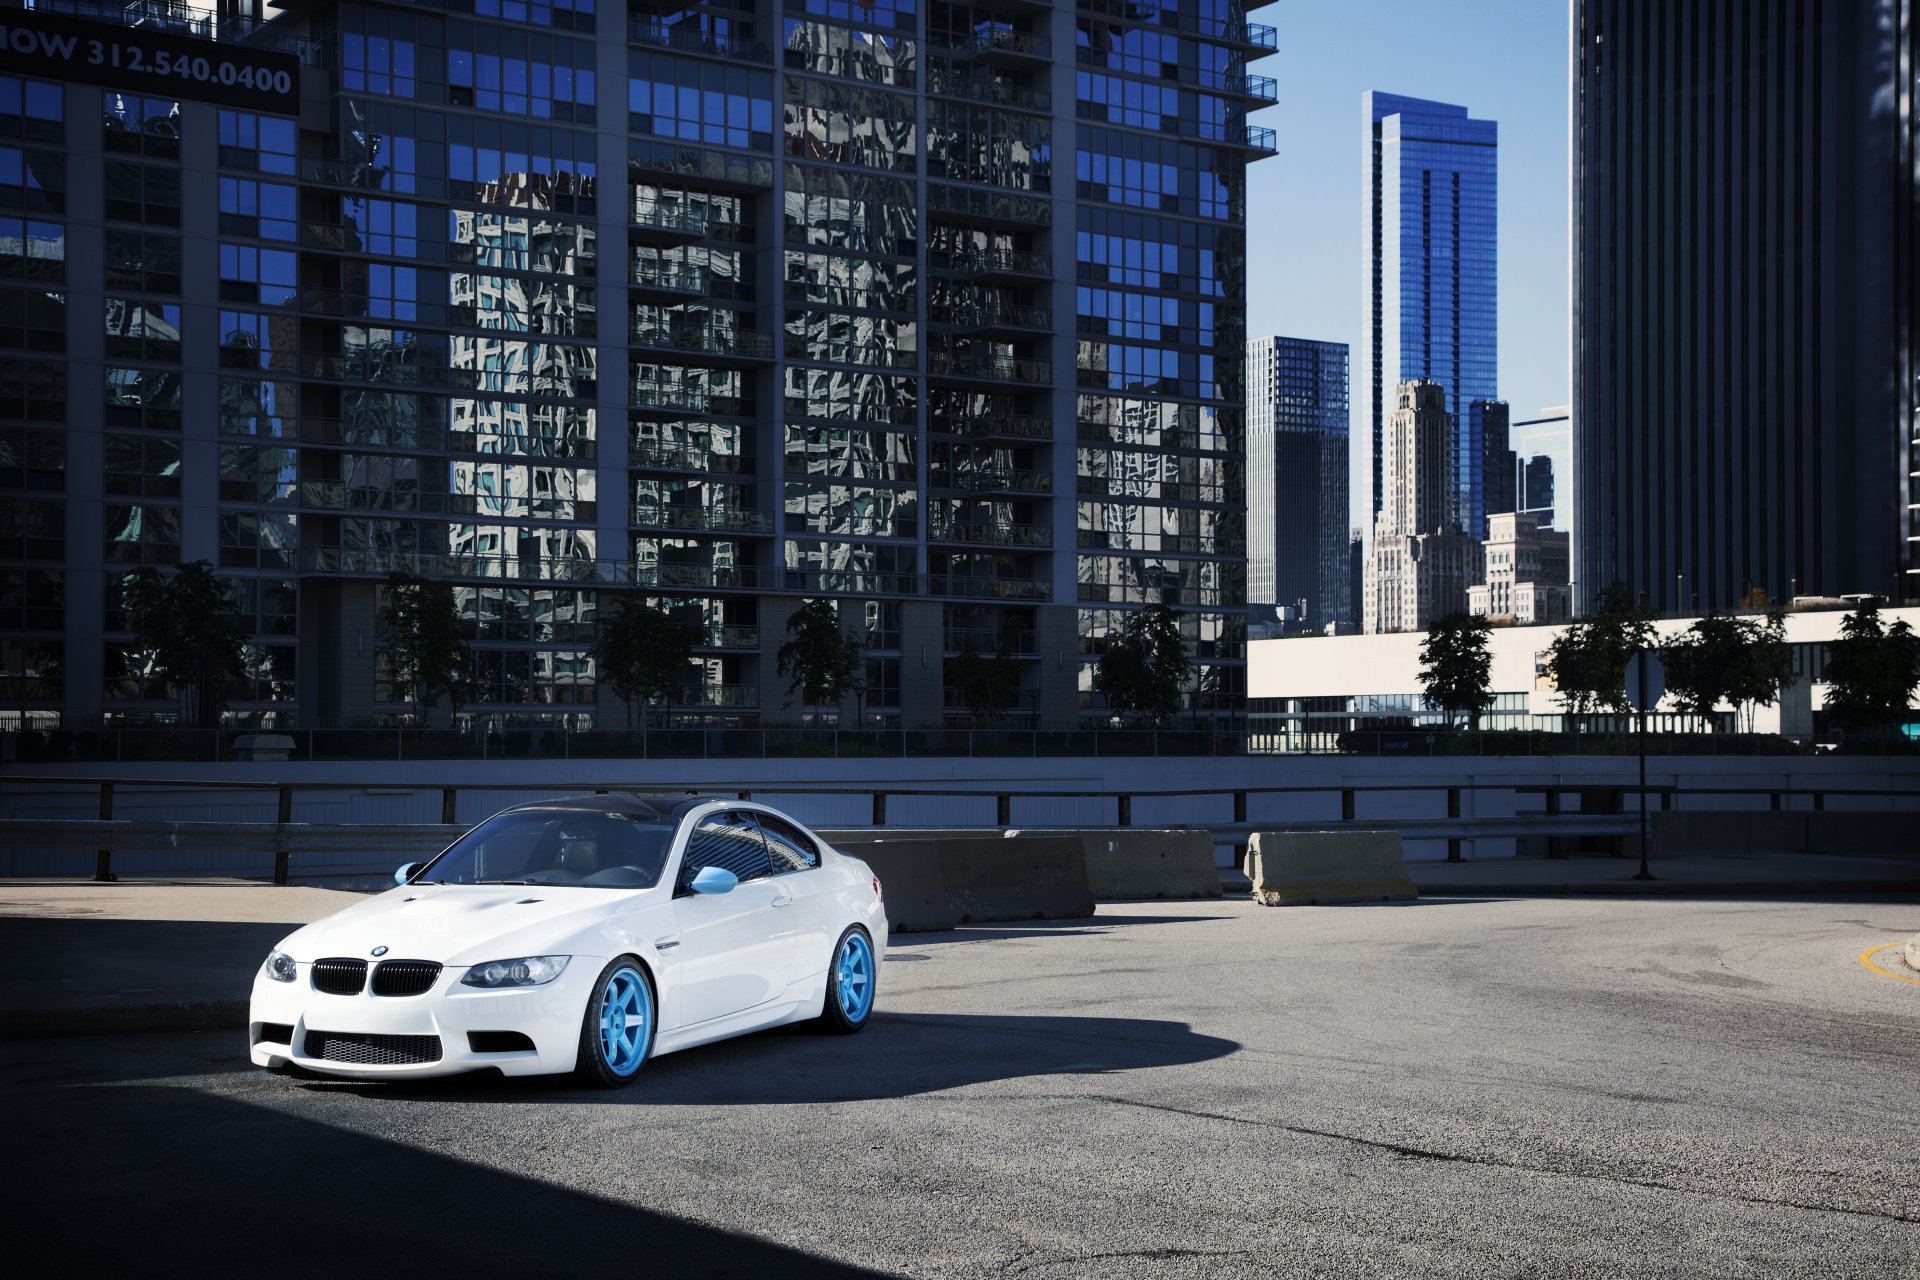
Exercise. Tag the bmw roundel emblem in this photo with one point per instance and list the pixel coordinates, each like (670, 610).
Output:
(379, 951)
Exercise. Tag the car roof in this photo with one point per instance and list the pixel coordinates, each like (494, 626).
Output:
(646, 806)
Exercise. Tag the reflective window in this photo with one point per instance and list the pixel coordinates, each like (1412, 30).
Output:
(499, 71)
(33, 530)
(848, 124)
(33, 600)
(253, 474)
(373, 59)
(32, 109)
(33, 320)
(33, 390)
(143, 534)
(31, 459)
(873, 56)
(37, 180)
(257, 407)
(142, 126)
(980, 144)
(267, 276)
(263, 209)
(730, 841)
(147, 398)
(143, 193)
(700, 101)
(249, 141)
(142, 467)
(146, 261)
(33, 250)
(898, 14)
(255, 340)
(259, 539)
(386, 227)
(791, 848)
(142, 330)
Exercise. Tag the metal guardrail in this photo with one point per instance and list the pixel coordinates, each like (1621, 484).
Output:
(286, 838)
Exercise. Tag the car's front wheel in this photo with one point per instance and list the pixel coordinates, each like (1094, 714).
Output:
(616, 1034)
(850, 983)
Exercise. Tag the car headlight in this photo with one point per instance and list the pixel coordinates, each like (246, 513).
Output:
(280, 966)
(527, 971)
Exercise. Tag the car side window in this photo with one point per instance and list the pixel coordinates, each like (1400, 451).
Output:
(789, 847)
(727, 840)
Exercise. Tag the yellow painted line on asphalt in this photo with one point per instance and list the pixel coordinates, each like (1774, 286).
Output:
(1866, 958)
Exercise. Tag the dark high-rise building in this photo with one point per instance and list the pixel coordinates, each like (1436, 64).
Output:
(1543, 459)
(1745, 217)
(726, 304)
(1297, 476)
(1496, 481)
(1430, 242)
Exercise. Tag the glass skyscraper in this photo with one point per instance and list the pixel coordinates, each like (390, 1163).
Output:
(1429, 241)
(732, 304)
(1297, 476)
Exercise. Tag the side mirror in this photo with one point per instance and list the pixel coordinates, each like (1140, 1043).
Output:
(401, 876)
(714, 880)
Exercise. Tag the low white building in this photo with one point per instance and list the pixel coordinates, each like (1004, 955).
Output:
(1304, 691)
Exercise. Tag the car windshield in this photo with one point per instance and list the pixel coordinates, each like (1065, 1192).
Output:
(556, 847)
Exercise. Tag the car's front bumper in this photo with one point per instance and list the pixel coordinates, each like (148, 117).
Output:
(549, 1016)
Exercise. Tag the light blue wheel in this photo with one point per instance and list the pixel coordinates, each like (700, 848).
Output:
(853, 978)
(626, 1021)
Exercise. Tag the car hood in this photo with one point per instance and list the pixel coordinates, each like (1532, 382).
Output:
(467, 923)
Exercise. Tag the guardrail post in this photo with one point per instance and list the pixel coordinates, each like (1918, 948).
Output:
(1126, 811)
(103, 858)
(1453, 811)
(1773, 801)
(1003, 811)
(1346, 805)
(447, 805)
(879, 808)
(283, 814)
(1819, 802)
(1240, 808)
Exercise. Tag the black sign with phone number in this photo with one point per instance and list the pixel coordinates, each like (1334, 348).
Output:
(158, 64)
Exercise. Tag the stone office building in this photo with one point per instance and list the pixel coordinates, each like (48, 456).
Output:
(933, 309)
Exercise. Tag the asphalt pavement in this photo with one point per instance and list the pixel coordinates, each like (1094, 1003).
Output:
(1465, 1086)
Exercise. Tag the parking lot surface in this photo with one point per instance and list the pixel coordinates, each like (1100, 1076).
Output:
(1449, 1087)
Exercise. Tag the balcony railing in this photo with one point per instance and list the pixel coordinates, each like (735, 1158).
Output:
(1233, 31)
(988, 640)
(745, 344)
(708, 519)
(1020, 369)
(997, 480)
(742, 577)
(680, 39)
(670, 396)
(999, 93)
(674, 219)
(716, 695)
(1001, 262)
(953, 584)
(670, 277)
(995, 40)
(1001, 315)
(991, 533)
(991, 204)
(1260, 138)
(1019, 426)
(676, 457)
(440, 564)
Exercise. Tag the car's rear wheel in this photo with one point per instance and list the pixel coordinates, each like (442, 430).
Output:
(850, 983)
(616, 1034)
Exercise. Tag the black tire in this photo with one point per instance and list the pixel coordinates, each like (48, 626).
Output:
(592, 1067)
(835, 1015)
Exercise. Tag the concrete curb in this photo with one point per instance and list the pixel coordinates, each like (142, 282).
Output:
(204, 1015)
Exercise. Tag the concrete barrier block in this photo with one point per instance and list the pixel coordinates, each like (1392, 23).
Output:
(1863, 833)
(1295, 868)
(1142, 862)
(932, 884)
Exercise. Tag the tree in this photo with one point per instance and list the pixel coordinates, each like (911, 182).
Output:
(1456, 669)
(1588, 662)
(421, 628)
(642, 652)
(188, 622)
(1146, 665)
(824, 664)
(1872, 671)
(990, 683)
(1725, 659)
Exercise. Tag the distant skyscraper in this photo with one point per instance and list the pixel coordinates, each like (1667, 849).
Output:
(1525, 576)
(1421, 564)
(1746, 293)
(1495, 481)
(1297, 475)
(1543, 459)
(1429, 241)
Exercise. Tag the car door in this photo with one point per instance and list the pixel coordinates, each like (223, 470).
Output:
(814, 919)
(734, 948)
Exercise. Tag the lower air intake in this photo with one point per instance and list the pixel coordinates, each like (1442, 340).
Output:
(372, 1051)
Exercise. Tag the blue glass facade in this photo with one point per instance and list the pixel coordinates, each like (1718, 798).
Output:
(1297, 547)
(1430, 240)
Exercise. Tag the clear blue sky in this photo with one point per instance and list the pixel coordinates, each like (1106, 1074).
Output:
(1504, 60)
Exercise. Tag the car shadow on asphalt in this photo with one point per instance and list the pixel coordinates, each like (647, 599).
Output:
(899, 1055)
(158, 1180)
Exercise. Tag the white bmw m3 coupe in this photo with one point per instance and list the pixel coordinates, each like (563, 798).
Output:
(585, 935)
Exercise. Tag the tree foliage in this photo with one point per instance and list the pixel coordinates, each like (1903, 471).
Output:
(1726, 659)
(188, 622)
(642, 652)
(1872, 670)
(990, 683)
(823, 664)
(1588, 662)
(1456, 668)
(1146, 665)
(421, 627)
